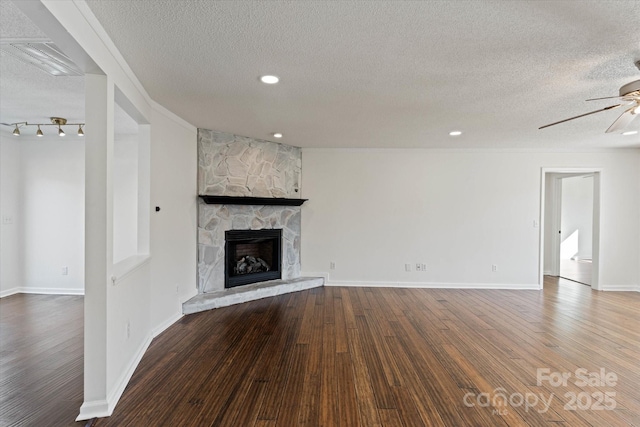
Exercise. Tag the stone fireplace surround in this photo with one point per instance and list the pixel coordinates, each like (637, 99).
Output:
(214, 220)
(240, 167)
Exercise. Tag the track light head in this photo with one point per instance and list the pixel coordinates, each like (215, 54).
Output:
(80, 131)
(39, 132)
(59, 121)
(16, 131)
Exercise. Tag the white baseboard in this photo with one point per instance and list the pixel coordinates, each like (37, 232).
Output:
(9, 292)
(435, 285)
(121, 384)
(41, 291)
(104, 408)
(167, 323)
(95, 409)
(620, 288)
(324, 275)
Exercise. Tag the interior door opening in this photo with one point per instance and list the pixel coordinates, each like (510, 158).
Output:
(576, 228)
(570, 217)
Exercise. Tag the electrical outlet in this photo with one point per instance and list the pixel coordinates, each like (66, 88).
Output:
(418, 267)
(407, 267)
(177, 289)
(128, 329)
(423, 267)
(65, 271)
(332, 265)
(494, 267)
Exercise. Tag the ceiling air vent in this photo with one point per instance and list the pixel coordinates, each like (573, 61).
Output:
(44, 55)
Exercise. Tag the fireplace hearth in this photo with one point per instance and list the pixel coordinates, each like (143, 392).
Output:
(252, 256)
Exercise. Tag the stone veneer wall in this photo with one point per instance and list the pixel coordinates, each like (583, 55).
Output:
(231, 165)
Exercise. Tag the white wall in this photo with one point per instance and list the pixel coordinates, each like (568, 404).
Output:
(46, 193)
(52, 175)
(174, 227)
(10, 216)
(577, 213)
(459, 212)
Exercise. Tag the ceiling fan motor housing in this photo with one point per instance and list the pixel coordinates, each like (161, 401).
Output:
(631, 90)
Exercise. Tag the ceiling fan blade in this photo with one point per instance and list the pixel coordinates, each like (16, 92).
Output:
(622, 121)
(606, 97)
(581, 115)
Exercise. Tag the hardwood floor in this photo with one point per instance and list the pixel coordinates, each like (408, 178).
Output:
(395, 357)
(41, 360)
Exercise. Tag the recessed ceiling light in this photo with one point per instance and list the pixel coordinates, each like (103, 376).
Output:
(631, 132)
(270, 80)
(277, 135)
(455, 133)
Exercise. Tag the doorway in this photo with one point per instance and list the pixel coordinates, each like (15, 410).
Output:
(576, 227)
(570, 217)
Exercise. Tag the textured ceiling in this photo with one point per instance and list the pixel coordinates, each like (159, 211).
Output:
(386, 73)
(15, 24)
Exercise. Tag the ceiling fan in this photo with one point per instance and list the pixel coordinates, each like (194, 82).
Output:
(630, 97)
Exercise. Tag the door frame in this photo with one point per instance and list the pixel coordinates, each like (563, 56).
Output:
(555, 266)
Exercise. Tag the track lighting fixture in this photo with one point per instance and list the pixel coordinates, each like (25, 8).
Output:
(55, 121)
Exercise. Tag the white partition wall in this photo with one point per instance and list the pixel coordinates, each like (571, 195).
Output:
(98, 241)
(124, 310)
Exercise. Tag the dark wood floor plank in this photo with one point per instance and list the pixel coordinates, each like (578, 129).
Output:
(279, 371)
(292, 392)
(366, 401)
(415, 387)
(310, 394)
(340, 329)
(375, 368)
(328, 411)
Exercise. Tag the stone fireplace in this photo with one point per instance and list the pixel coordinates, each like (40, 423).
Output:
(249, 220)
(255, 173)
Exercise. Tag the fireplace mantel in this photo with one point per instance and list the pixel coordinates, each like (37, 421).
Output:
(242, 200)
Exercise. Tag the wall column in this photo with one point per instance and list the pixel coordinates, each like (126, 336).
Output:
(98, 240)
